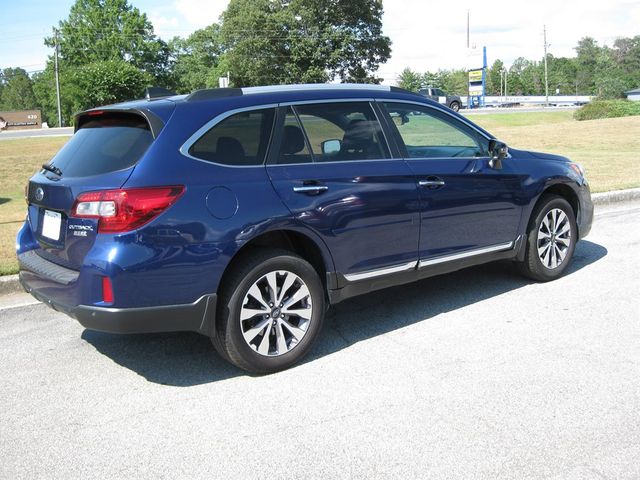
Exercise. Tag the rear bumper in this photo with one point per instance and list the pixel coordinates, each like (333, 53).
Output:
(198, 316)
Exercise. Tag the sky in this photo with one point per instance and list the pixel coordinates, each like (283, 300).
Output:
(425, 35)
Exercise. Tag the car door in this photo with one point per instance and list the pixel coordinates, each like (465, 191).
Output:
(466, 204)
(331, 165)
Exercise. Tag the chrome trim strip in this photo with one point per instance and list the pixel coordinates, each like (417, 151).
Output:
(310, 188)
(352, 277)
(468, 253)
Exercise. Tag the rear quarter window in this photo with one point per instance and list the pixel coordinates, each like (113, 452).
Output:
(241, 139)
(104, 143)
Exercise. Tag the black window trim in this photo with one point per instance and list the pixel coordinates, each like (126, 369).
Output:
(438, 114)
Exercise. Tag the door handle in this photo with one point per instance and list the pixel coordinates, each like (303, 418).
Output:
(311, 189)
(432, 182)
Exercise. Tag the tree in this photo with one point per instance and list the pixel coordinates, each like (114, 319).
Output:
(410, 80)
(300, 41)
(587, 52)
(17, 90)
(494, 78)
(103, 30)
(196, 59)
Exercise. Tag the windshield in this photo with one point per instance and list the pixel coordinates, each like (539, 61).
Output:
(106, 143)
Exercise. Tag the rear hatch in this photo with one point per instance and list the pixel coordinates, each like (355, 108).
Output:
(101, 155)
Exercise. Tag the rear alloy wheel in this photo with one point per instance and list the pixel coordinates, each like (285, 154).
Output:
(551, 239)
(271, 310)
(455, 106)
(275, 313)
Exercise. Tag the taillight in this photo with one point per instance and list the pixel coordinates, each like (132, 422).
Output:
(125, 209)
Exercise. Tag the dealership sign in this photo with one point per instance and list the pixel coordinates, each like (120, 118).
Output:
(19, 120)
(475, 82)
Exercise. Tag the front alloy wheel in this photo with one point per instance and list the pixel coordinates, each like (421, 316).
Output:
(551, 239)
(554, 238)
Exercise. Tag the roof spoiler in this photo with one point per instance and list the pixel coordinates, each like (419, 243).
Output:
(157, 92)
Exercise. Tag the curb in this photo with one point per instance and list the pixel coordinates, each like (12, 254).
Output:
(615, 196)
(11, 284)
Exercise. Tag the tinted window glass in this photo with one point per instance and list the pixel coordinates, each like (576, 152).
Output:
(106, 143)
(427, 135)
(241, 139)
(293, 147)
(343, 131)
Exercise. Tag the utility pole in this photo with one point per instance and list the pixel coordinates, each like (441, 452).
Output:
(546, 75)
(467, 29)
(55, 57)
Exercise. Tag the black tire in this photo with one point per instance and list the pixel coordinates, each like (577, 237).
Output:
(533, 266)
(455, 106)
(248, 270)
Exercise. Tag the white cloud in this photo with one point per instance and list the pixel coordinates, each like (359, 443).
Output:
(428, 36)
(164, 27)
(200, 13)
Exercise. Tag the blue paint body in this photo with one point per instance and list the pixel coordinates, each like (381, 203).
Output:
(373, 215)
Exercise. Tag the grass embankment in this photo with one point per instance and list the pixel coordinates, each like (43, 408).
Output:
(19, 159)
(609, 149)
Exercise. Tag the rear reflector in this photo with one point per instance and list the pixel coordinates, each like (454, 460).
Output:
(125, 209)
(107, 290)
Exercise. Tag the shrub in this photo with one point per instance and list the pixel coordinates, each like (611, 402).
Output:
(607, 109)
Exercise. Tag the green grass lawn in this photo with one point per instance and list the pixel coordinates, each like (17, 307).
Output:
(609, 149)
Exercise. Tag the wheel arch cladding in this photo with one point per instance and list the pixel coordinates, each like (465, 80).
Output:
(292, 241)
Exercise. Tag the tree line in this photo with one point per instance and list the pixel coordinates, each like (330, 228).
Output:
(108, 52)
(601, 71)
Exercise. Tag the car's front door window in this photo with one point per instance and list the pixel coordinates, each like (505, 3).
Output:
(426, 134)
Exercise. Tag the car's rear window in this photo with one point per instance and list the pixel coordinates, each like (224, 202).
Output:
(104, 143)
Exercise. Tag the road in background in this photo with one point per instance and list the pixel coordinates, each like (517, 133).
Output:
(485, 110)
(476, 374)
(45, 132)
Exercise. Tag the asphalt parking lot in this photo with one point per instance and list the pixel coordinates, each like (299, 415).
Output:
(477, 374)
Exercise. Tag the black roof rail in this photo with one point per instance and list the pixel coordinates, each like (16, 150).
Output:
(211, 93)
(158, 92)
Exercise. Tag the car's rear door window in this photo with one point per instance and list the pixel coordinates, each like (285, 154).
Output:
(241, 139)
(343, 131)
(106, 142)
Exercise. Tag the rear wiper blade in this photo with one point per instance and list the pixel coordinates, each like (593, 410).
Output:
(52, 169)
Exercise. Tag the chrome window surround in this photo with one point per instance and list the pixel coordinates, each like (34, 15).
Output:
(184, 149)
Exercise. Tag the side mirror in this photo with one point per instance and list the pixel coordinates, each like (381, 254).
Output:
(331, 147)
(498, 151)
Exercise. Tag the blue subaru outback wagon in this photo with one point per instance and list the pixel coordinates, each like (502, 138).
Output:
(242, 214)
